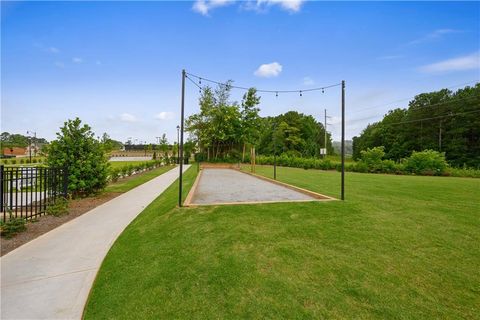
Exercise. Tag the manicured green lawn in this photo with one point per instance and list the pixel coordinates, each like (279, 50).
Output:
(399, 247)
(136, 180)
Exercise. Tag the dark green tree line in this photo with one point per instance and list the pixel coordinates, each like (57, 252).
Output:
(441, 120)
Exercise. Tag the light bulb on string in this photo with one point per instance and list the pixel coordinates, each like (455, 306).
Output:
(276, 94)
(301, 93)
(199, 80)
(323, 90)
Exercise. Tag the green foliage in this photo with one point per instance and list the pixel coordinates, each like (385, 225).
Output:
(402, 131)
(84, 157)
(423, 163)
(109, 144)
(58, 208)
(428, 162)
(12, 226)
(18, 140)
(294, 133)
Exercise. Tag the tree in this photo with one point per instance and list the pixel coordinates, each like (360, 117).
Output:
(442, 121)
(249, 118)
(84, 158)
(164, 145)
(109, 144)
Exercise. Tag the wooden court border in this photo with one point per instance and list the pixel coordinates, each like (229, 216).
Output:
(317, 196)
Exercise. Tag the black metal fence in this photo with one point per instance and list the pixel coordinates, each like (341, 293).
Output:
(27, 191)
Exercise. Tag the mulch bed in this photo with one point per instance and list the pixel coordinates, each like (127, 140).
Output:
(76, 208)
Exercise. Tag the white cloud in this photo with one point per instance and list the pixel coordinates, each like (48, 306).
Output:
(435, 35)
(127, 117)
(269, 70)
(59, 64)
(205, 6)
(288, 5)
(468, 62)
(53, 50)
(77, 60)
(308, 81)
(164, 115)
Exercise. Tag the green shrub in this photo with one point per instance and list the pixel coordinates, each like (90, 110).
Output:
(115, 174)
(84, 157)
(58, 208)
(22, 161)
(428, 162)
(13, 161)
(12, 226)
(372, 157)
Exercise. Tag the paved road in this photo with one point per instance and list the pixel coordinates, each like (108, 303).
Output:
(230, 186)
(51, 276)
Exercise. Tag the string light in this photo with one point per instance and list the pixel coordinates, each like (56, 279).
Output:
(199, 80)
(276, 94)
(262, 90)
(300, 93)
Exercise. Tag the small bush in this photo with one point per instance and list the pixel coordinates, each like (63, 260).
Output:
(13, 161)
(12, 226)
(428, 162)
(115, 174)
(372, 157)
(59, 208)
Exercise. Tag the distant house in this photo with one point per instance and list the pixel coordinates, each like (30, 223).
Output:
(15, 152)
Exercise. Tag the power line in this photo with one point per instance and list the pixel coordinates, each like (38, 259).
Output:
(438, 117)
(417, 108)
(409, 98)
(300, 91)
(430, 118)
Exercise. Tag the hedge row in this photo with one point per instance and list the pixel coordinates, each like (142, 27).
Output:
(131, 169)
(21, 161)
(427, 162)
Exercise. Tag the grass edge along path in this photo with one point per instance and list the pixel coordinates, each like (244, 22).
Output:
(124, 185)
(164, 203)
(399, 247)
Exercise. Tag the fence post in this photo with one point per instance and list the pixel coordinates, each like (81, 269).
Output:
(1, 188)
(65, 182)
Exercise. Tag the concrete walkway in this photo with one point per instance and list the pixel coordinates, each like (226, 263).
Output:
(51, 276)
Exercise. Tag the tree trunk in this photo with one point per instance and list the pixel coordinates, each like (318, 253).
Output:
(243, 153)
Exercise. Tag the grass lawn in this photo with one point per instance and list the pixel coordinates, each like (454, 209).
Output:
(399, 247)
(136, 180)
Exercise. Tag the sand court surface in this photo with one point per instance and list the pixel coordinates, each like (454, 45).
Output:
(229, 186)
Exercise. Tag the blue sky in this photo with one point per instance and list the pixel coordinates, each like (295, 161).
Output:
(117, 65)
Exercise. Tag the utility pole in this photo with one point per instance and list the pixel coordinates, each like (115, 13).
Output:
(440, 138)
(30, 144)
(325, 127)
(178, 143)
(274, 151)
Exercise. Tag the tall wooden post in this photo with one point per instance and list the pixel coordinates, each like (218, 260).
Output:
(343, 140)
(182, 112)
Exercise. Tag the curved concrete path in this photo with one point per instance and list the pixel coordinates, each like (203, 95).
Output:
(51, 276)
